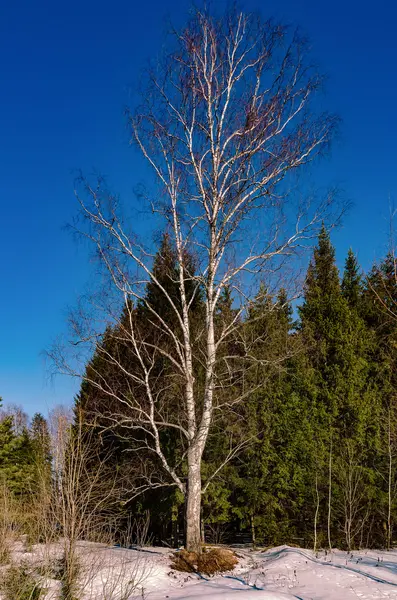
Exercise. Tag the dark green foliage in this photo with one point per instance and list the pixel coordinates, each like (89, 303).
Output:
(352, 287)
(104, 378)
(343, 400)
(16, 458)
(318, 408)
(41, 445)
(162, 290)
(379, 309)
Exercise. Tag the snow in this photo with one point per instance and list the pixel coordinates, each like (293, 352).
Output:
(286, 572)
(277, 574)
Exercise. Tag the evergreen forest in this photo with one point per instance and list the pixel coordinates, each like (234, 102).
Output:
(308, 456)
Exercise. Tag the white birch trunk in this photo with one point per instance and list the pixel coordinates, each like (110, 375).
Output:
(193, 502)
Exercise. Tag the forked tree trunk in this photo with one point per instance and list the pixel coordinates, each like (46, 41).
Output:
(193, 503)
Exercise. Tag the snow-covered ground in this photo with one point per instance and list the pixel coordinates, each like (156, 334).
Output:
(277, 574)
(282, 573)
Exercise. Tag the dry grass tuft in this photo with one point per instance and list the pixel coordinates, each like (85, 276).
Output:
(217, 560)
(209, 562)
(184, 561)
(19, 583)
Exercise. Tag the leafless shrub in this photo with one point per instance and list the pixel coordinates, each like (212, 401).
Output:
(74, 509)
(122, 575)
(9, 523)
(137, 531)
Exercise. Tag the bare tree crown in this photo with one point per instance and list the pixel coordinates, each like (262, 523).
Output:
(225, 119)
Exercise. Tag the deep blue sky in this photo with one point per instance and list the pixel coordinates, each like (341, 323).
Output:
(67, 69)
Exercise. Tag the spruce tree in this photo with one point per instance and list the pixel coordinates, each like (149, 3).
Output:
(342, 397)
(16, 458)
(267, 335)
(380, 300)
(40, 437)
(352, 287)
(41, 450)
(99, 406)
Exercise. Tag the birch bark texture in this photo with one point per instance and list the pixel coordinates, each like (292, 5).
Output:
(227, 118)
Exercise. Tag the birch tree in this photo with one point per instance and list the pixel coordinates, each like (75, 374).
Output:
(227, 119)
(388, 472)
